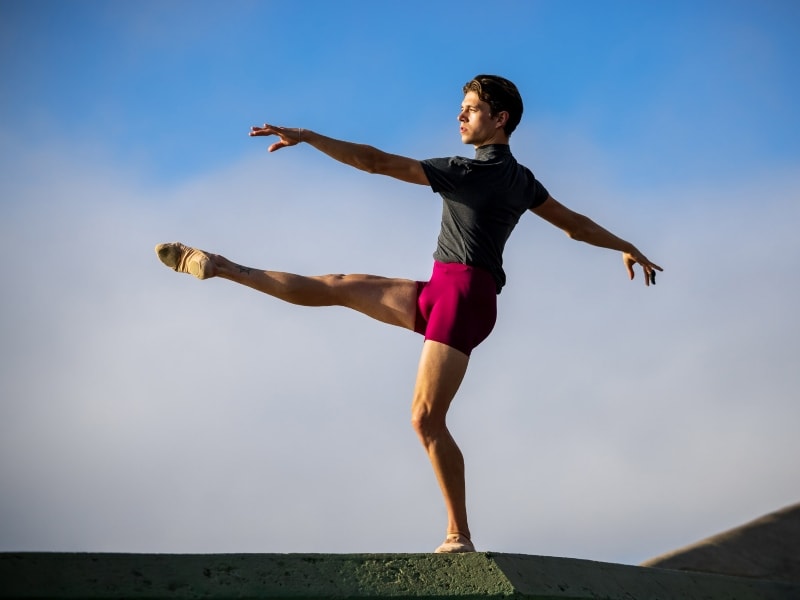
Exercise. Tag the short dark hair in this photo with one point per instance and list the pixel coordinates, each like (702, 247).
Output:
(501, 95)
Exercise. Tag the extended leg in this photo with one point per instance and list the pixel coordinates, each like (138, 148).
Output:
(441, 370)
(389, 300)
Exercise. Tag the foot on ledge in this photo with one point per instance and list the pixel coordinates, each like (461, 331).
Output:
(184, 259)
(455, 543)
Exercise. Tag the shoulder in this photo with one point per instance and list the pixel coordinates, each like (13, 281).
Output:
(446, 174)
(537, 193)
(449, 163)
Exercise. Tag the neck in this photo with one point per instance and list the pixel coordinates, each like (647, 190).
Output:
(498, 138)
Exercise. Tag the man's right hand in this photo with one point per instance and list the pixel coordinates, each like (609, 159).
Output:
(288, 136)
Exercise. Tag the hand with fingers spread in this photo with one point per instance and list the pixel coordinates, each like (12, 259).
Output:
(288, 136)
(649, 268)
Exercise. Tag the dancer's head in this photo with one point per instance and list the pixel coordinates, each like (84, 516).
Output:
(501, 95)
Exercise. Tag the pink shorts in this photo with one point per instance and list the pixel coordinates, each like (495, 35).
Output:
(457, 307)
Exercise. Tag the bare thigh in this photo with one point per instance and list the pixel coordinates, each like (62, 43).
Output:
(390, 300)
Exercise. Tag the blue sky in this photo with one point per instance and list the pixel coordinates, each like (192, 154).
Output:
(151, 79)
(142, 411)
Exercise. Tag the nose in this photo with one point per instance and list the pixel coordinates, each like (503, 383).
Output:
(462, 115)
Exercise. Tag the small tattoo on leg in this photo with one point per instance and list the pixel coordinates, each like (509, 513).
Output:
(242, 269)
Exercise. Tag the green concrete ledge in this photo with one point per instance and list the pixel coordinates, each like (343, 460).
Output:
(342, 576)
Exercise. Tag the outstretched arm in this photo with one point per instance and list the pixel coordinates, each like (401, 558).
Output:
(360, 156)
(583, 229)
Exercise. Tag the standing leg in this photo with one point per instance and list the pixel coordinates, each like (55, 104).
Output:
(441, 370)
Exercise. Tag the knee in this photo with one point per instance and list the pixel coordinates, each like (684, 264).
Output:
(330, 289)
(339, 285)
(427, 425)
(333, 280)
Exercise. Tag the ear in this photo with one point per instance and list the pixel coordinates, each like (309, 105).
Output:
(502, 118)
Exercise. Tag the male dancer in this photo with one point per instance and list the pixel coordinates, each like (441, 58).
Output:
(483, 198)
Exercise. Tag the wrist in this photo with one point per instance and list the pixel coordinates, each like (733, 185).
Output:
(306, 136)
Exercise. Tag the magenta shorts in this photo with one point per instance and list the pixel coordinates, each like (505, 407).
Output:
(457, 307)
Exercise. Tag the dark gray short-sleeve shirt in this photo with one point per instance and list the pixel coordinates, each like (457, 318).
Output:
(483, 199)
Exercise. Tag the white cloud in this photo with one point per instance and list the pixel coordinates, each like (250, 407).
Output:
(147, 411)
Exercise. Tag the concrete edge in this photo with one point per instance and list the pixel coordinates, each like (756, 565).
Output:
(469, 576)
(767, 547)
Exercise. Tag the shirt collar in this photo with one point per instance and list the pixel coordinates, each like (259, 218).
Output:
(490, 151)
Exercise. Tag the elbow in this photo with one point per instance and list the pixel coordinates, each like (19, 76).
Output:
(577, 234)
(580, 229)
(370, 168)
(370, 160)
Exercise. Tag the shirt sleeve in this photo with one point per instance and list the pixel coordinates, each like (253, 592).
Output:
(446, 174)
(538, 192)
